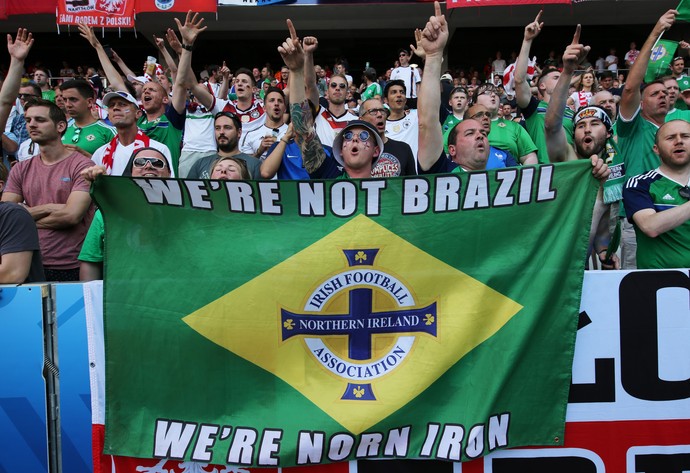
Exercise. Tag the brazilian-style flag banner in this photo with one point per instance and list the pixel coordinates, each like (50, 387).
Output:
(683, 9)
(660, 59)
(283, 323)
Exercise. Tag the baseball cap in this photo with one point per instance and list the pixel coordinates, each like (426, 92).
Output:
(338, 141)
(446, 76)
(121, 95)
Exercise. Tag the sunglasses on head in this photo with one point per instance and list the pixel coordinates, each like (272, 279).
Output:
(155, 162)
(77, 132)
(337, 86)
(362, 136)
(684, 192)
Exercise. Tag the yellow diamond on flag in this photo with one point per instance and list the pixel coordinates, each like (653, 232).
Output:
(359, 308)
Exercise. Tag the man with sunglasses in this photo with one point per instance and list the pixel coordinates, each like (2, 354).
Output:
(397, 158)
(228, 131)
(85, 132)
(657, 202)
(409, 75)
(123, 113)
(505, 135)
(355, 149)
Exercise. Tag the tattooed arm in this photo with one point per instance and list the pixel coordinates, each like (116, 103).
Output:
(313, 154)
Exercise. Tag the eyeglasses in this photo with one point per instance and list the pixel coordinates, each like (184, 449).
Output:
(684, 192)
(26, 96)
(77, 132)
(375, 111)
(154, 162)
(481, 115)
(362, 136)
(333, 85)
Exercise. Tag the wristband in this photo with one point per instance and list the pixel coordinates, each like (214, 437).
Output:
(188, 47)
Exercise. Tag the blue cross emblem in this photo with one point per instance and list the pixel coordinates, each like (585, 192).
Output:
(360, 322)
(658, 52)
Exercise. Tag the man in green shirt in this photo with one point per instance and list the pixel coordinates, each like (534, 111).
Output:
(641, 114)
(459, 101)
(533, 108)
(85, 132)
(505, 135)
(41, 77)
(658, 202)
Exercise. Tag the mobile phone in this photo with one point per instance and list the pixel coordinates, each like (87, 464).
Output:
(108, 51)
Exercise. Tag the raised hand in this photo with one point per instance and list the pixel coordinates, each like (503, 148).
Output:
(160, 42)
(87, 33)
(19, 47)
(435, 33)
(291, 50)
(665, 22)
(575, 53)
(417, 48)
(173, 41)
(225, 71)
(310, 44)
(533, 29)
(191, 28)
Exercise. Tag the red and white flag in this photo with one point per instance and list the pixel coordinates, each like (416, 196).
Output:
(509, 75)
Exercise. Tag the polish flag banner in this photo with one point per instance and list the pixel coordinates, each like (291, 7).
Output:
(98, 13)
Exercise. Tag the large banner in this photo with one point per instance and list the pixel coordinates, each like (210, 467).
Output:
(96, 13)
(295, 323)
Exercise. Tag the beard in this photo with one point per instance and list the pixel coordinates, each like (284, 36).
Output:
(227, 145)
(586, 151)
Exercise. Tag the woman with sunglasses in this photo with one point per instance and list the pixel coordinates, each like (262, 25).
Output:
(145, 162)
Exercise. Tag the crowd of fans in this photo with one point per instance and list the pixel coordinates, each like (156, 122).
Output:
(306, 121)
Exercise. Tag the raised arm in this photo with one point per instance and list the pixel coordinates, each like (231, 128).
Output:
(434, 39)
(556, 142)
(227, 77)
(189, 31)
(167, 57)
(310, 44)
(126, 71)
(630, 101)
(18, 49)
(292, 53)
(522, 87)
(114, 78)
(270, 165)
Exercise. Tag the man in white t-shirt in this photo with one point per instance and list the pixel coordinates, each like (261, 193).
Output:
(409, 75)
(257, 142)
(612, 61)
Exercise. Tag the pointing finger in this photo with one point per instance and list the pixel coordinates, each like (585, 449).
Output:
(291, 28)
(576, 36)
